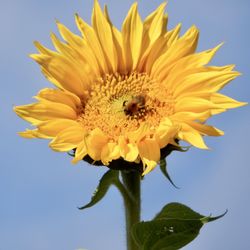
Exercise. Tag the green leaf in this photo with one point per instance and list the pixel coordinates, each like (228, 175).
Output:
(177, 211)
(173, 228)
(109, 178)
(167, 234)
(163, 167)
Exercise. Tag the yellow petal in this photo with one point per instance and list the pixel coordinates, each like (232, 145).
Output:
(132, 29)
(129, 151)
(59, 96)
(61, 47)
(111, 151)
(69, 36)
(188, 64)
(226, 102)
(159, 48)
(40, 58)
(148, 165)
(140, 133)
(30, 134)
(186, 45)
(95, 142)
(117, 40)
(132, 152)
(154, 28)
(166, 132)
(53, 127)
(44, 50)
(173, 35)
(80, 152)
(151, 54)
(210, 81)
(190, 135)
(79, 63)
(194, 104)
(43, 111)
(104, 34)
(206, 129)
(154, 25)
(149, 149)
(190, 116)
(68, 139)
(64, 73)
(93, 42)
(80, 48)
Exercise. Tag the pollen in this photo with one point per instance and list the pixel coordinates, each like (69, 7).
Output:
(121, 103)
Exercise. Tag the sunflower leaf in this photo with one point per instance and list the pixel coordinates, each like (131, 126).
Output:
(109, 178)
(163, 167)
(173, 228)
(166, 234)
(176, 210)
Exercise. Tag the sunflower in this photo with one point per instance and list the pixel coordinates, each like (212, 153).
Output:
(126, 94)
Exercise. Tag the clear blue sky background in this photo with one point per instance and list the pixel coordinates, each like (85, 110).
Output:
(40, 189)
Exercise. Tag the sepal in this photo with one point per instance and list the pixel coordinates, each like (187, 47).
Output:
(109, 178)
(163, 168)
(164, 153)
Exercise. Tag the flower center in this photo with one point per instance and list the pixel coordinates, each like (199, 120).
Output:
(120, 103)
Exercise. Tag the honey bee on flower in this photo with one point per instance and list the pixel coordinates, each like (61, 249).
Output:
(135, 106)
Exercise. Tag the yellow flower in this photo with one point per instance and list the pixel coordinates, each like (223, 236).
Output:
(126, 94)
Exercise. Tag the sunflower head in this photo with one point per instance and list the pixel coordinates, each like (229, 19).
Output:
(126, 96)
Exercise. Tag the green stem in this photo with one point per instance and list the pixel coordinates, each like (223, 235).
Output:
(132, 183)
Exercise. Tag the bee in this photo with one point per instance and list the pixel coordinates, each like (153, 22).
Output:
(135, 105)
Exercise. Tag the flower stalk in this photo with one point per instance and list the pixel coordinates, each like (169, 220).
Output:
(132, 183)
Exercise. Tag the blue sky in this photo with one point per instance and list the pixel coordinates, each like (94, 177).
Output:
(40, 189)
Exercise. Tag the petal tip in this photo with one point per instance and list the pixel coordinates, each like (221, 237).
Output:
(57, 21)
(74, 161)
